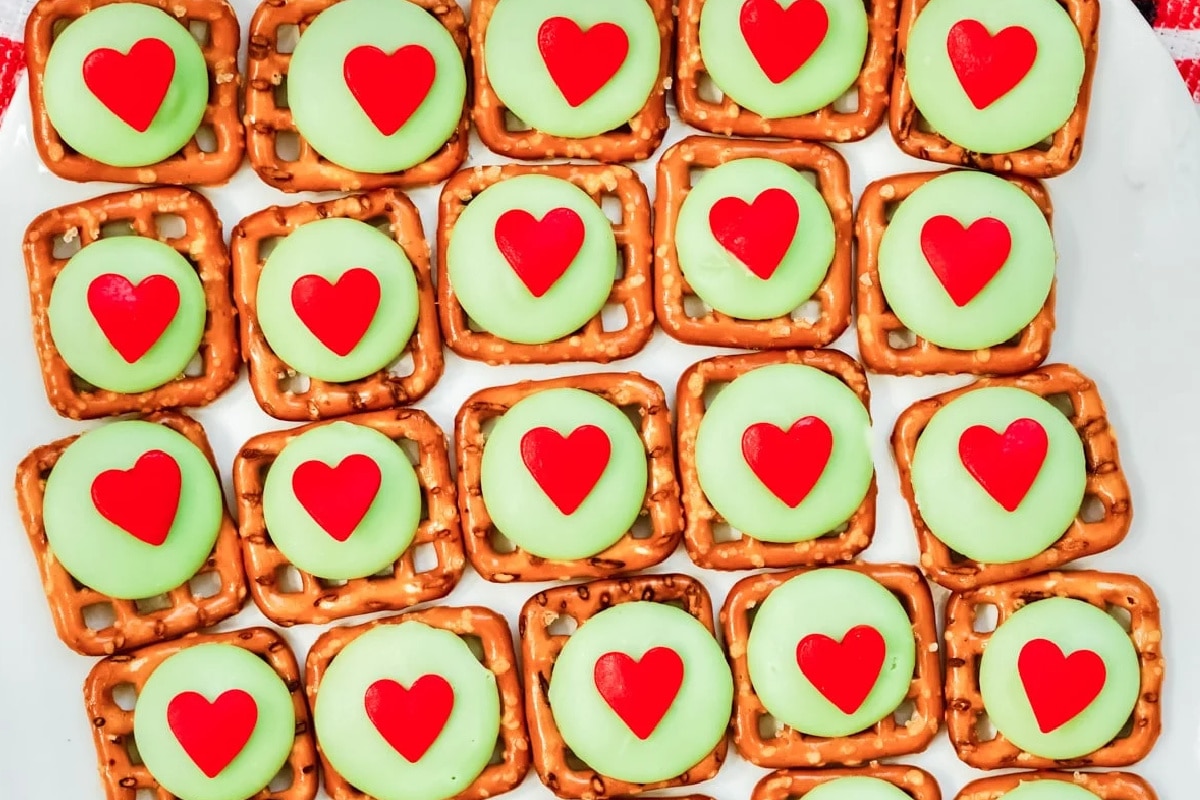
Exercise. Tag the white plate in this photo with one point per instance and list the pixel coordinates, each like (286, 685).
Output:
(1125, 220)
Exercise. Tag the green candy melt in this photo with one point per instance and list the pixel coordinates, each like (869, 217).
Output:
(857, 788)
(1049, 790)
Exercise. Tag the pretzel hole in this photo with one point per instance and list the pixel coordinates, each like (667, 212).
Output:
(890, 207)
(1121, 615)
(723, 532)
(711, 390)
(331, 583)
(622, 264)
(514, 124)
(169, 226)
(848, 103)
(695, 174)
(574, 762)
(146, 794)
(985, 731)
(198, 28)
(985, 617)
(206, 138)
(283, 779)
(1062, 401)
(500, 543)
(382, 223)
(613, 208)
(562, 625)
(769, 727)
(475, 645)
(809, 311)
(487, 426)
(280, 92)
(474, 326)
(205, 585)
(1014, 340)
(1092, 510)
(642, 528)
(288, 580)
(122, 227)
(810, 175)
(385, 574)
(66, 244)
(613, 317)
(425, 558)
(1045, 145)
(707, 89)
(124, 695)
(80, 385)
(266, 246)
(411, 449)
(287, 146)
(905, 713)
(920, 123)
(497, 753)
(1126, 729)
(195, 367)
(621, 130)
(695, 308)
(150, 605)
(403, 366)
(286, 37)
(902, 339)
(294, 383)
(99, 616)
(131, 749)
(58, 27)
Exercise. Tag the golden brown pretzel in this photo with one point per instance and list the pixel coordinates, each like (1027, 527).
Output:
(828, 124)
(645, 130)
(965, 645)
(888, 737)
(877, 325)
(267, 119)
(127, 778)
(201, 243)
(1105, 785)
(715, 328)
(660, 513)
(1105, 481)
(194, 165)
(786, 784)
(319, 601)
(190, 607)
(492, 632)
(701, 534)
(1059, 154)
(394, 214)
(631, 290)
(540, 649)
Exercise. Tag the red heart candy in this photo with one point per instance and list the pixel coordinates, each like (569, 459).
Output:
(410, 720)
(782, 40)
(132, 318)
(581, 63)
(759, 234)
(1005, 465)
(567, 468)
(788, 463)
(965, 259)
(989, 67)
(640, 692)
(389, 88)
(337, 498)
(1059, 687)
(338, 314)
(843, 672)
(131, 86)
(141, 500)
(540, 251)
(212, 734)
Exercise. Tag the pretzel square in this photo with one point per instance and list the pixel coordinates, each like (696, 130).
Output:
(705, 543)
(1106, 493)
(122, 772)
(794, 784)
(142, 212)
(631, 290)
(540, 648)
(890, 348)
(649, 542)
(887, 738)
(1105, 785)
(1055, 156)
(965, 646)
(833, 123)
(717, 329)
(189, 607)
(635, 141)
(492, 633)
(270, 378)
(209, 159)
(320, 601)
(270, 129)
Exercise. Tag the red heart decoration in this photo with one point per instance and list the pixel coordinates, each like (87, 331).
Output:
(965, 259)
(781, 40)
(788, 463)
(141, 500)
(540, 251)
(989, 67)
(567, 468)
(131, 86)
(338, 314)
(132, 318)
(843, 672)
(1059, 687)
(337, 498)
(759, 234)
(640, 692)
(389, 88)
(1005, 465)
(581, 63)
(410, 720)
(212, 734)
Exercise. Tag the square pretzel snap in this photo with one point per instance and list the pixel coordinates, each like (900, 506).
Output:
(178, 218)
(1104, 518)
(210, 158)
(890, 348)
(675, 297)
(654, 535)
(769, 742)
(710, 541)
(600, 340)
(487, 633)
(106, 692)
(95, 624)
(967, 718)
(1105, 785)
(503, 133)
(852, 117)
(794, 784)
(278, 151)
(280, 390)
(303, 598)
